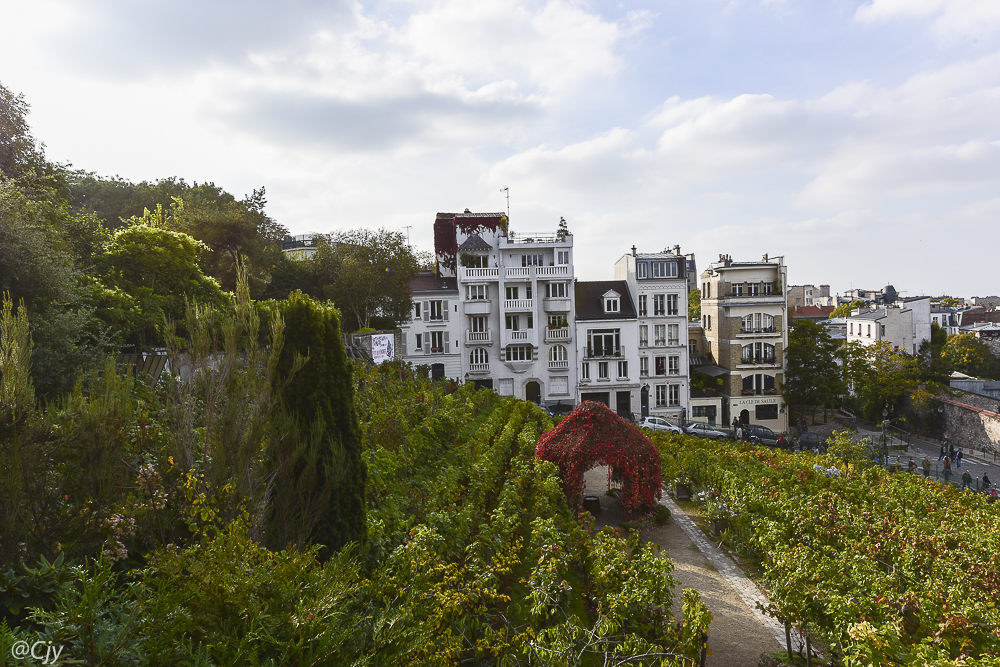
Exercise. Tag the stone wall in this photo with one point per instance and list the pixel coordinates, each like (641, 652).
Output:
(970, 425)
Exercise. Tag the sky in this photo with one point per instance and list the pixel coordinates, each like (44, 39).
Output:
(860, 140)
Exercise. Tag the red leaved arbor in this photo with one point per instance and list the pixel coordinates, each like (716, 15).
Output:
(593, 434)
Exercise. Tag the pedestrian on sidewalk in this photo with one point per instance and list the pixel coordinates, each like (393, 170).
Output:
(911, 467)
(967, 480)
(941, 455)
(985, 485)
(958, 458)
(927, 466)
(951, 452)
(947, 469)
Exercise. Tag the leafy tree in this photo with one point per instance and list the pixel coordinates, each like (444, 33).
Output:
(326, 446)
(694, 305)
(114, 200)
(844, 309)
(879, 376)
(367, 273)
(21, 158)
(934, 368)
(812, 375)
(967, 354)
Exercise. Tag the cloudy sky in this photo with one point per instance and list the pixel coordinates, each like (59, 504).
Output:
(859, 139)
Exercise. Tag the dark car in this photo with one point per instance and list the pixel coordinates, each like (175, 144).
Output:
(762, 435)
(810, 441)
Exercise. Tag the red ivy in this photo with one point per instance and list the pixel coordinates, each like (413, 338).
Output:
(593, 434)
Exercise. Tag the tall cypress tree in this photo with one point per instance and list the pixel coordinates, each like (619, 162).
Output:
(325, 440)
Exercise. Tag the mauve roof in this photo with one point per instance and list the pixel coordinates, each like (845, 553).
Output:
(590, 305)
(428, 282)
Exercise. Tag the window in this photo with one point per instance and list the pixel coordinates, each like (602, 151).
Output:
(660, 365)
(555, 290)
(416, 311)
(758, 353)
(562, 257)
(602, 370)
(519, 353)
(558, 322)
(531, 321)
(640, 270)
(419, 341)
(642, 305)
(437, 309)
(474, 261)
(671, 304)
(673, 334)
(709, 322)
(585, 371)
(767, 288)
(558, 353)
(757, 323)
(753, 289)
(661, 395)
(603, 342)
(513, 322)
(869, 331)
(737, 289)
(851, 325)
(765, 412)
(478, 324)
(664, 269)
(660, 334)
(692, 346)
(479, 356)
(769, 384)
(748, 385)
(643, 335)
(527, 291)
(674, 395)
(622, 370)
(512, 292)
(532, 260)
(881, 330)
(611, 304)
(506, 386)
(644, 366)
(658, 304)
(559, 385)
(476, 292)
(438, 340)
(674, 365)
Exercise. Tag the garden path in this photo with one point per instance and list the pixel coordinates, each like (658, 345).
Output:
(737, 635)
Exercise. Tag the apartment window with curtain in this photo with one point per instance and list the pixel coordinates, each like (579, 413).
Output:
(644, 366)
(642, 305)
(622, 370)
(660, 333)
(602, 370)
(674, 365)
(658, 308)
(661, 395)
(675, 395)
(640, 270)
(673, 334)
(671, 304)
(643, 335)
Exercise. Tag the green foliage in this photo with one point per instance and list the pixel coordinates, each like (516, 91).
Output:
(812, 375)
(844, 309)
(24, 588)
(967, 354)
(694, 305)
(880, 377)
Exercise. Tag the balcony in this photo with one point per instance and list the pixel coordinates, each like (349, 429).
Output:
(518, 336)
(552, 271)
(479, 337)
(479, 368)
(538, 237)
(556, 305)
(758, 361)
(480, 274)
(517, 272)
(609, 353)
(558, 365)
(556, 335)
(519, 304)
(478, 307)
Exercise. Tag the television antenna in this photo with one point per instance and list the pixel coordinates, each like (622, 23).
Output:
(408, 228)
(506, 191)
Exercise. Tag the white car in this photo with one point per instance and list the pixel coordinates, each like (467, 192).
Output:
(703, 430)
(659, 424)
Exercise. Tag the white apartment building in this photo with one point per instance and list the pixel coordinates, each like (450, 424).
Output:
(659, 282)
(432, 336)
(744, 317)
(607, 345)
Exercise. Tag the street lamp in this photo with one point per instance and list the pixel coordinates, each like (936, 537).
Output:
(885, 443)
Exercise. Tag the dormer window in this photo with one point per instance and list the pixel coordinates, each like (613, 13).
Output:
(612, 302)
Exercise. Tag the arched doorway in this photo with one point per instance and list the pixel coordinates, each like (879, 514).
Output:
(533, 392)
(745, 416)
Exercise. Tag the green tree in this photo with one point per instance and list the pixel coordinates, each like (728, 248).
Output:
(325, 450)
(879, 376)
(934, 368)
(844, 309)
(694, 305)
(967, 354)
(367, 274)
(812, 375)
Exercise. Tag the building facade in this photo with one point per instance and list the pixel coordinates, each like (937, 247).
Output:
(606, 345)
(432, 336)
(658, 283)
(744, 318)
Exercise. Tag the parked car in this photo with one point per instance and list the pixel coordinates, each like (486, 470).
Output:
(762, 435)
(810, 441)
(659, 424)
(703, 430)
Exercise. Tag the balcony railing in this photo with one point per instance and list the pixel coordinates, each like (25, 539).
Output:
(519, 304)
(472, 274)
(479, 336)
(558, 365)
(756, 330)
(479, 368)
(519, 335)
(536, 237)
(562, 333)
(605, 353)
(759, 360)
(548, 271)
(518, 271)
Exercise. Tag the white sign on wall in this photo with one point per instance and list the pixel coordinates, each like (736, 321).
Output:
(382, 348)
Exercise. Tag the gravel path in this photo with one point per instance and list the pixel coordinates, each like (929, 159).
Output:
(737, 635)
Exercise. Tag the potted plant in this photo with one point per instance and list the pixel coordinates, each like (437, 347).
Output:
(682, 487)
(720, 517)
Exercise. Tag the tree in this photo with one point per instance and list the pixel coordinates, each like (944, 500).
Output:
(367, 273)
(21, 158)
(931, 356)
(812, 374)
(879, 376)
(967, 354)
(844, 309)
(320, 400)
(694, 305)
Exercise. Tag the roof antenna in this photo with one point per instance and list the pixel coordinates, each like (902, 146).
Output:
(506, 191)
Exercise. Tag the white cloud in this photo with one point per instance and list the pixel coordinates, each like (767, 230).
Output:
(950, 19)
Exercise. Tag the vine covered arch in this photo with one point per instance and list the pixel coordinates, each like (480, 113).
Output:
(593, 434)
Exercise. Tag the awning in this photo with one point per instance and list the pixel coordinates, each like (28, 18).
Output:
(710, 370)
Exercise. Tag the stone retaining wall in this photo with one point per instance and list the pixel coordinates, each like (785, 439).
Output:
(972, 426)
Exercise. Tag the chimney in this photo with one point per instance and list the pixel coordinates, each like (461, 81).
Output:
(677, 250)
(633, 250)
